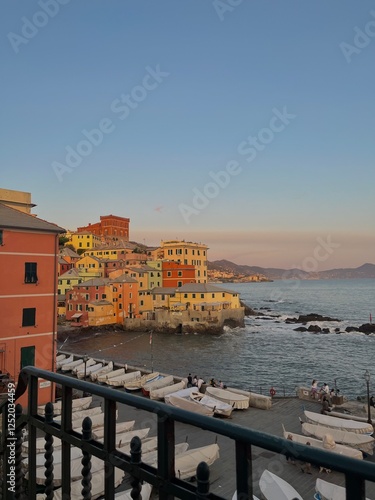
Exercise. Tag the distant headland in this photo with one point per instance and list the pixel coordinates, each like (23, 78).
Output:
(226, 271)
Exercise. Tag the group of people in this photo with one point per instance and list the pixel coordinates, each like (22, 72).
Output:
(194, 381)
(323, 391)
(219, 384)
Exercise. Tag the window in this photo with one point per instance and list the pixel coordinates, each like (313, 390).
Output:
(179, 283)
(28, 316)
(96, 296)
(1, 237)
(27, 356)
(130, 296)
(120, 306)
(87, 296)
(193, 295)
(70, 308)
(213, 295)
(70, 296)
(185, 295)
(68, 282)
(202, 295)
(104, 296)
(59, 291)
(87, 307)
(179, 273)
(30, 272)
(169, 273)
(141, 303)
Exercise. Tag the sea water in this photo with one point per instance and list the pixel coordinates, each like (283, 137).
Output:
(266, 351)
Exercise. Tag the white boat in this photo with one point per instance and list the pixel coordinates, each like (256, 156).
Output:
(60, 357)
(86, 372)
(327, 444)
(120, 380)
(120, 427)
(338, 414)
(136, 385)
(338, 423)
(234, 497)
(330, 491)
(273, 487)
(77, 405)
(148, 445)
(362, 442)
(97, 486)
(106, 369)
(81, 367)
(186, 463)
(238, 401)
(255, 400)
(114, 373)
(186, 404)
(219, 407)
(67, 367)
(68, 359)
(151, 457)
(183, 393)
(81, 414)
(157, 384)
(125, 437)
(126, 495)
(159, 394)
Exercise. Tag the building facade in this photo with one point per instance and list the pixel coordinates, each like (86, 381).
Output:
(28, 295)
(110, 228)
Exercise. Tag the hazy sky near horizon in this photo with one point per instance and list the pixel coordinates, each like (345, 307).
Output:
(247, 125)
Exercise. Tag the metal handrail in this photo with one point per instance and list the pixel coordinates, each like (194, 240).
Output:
(356, 472)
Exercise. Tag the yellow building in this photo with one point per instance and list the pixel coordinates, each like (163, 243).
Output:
(84, 240)
(185, 252)
(90, 267)
(113, 252)
(67, 280)
(195, 296)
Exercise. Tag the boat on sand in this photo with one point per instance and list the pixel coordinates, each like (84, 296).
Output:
(274, 487)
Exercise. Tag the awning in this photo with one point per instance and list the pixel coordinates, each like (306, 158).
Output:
(77, 315)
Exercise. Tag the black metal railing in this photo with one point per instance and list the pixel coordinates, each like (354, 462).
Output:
(163, 477)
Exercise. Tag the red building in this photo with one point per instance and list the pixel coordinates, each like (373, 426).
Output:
(110, 228)
(63, 266)
(28, 295)
(176, 274)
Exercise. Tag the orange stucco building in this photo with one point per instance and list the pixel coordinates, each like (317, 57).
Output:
(110, 227)
(28, 295)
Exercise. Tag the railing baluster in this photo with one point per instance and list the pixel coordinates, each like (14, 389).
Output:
(66, 424)
(135, 458)
(166, 452)
(244, 479)
(18, 456)
(355, 487)
(86, 460)
(48, 455)
(203, 481)
(109, 444)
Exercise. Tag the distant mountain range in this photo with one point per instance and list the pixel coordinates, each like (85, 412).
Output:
(227, 268)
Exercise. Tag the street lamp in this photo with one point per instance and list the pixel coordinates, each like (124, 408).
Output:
(367, 378)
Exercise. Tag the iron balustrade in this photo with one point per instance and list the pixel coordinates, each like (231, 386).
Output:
(163, 477)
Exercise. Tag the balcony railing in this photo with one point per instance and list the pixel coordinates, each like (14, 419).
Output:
(163, 477)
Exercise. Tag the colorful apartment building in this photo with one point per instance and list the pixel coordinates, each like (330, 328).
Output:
(69, 255)
(90, 266)
(63, 266)
(186, 252)
(84, 240)
(102, 301)
(110, 228)
(176, 274)
(28, 295)
(117, 252)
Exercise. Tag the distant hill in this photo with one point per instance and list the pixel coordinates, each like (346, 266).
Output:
(225, 266)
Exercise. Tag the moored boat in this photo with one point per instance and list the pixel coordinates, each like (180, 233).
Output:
(238, 401)
(186, 463)
(186, 404)
(219, 407)
(64, 361)
(104, 377)
(339, 423)
(120, 380)
(274, 487)
(330, 491)
(158, 383)
(136, 385)
(106, 369)
(85, 372)
(77, 405)
(362, 442)
(159, 394)
(327, 444)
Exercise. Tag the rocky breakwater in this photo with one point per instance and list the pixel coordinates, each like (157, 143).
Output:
(367, 328)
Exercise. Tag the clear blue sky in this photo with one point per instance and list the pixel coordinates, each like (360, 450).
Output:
(179, 87)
